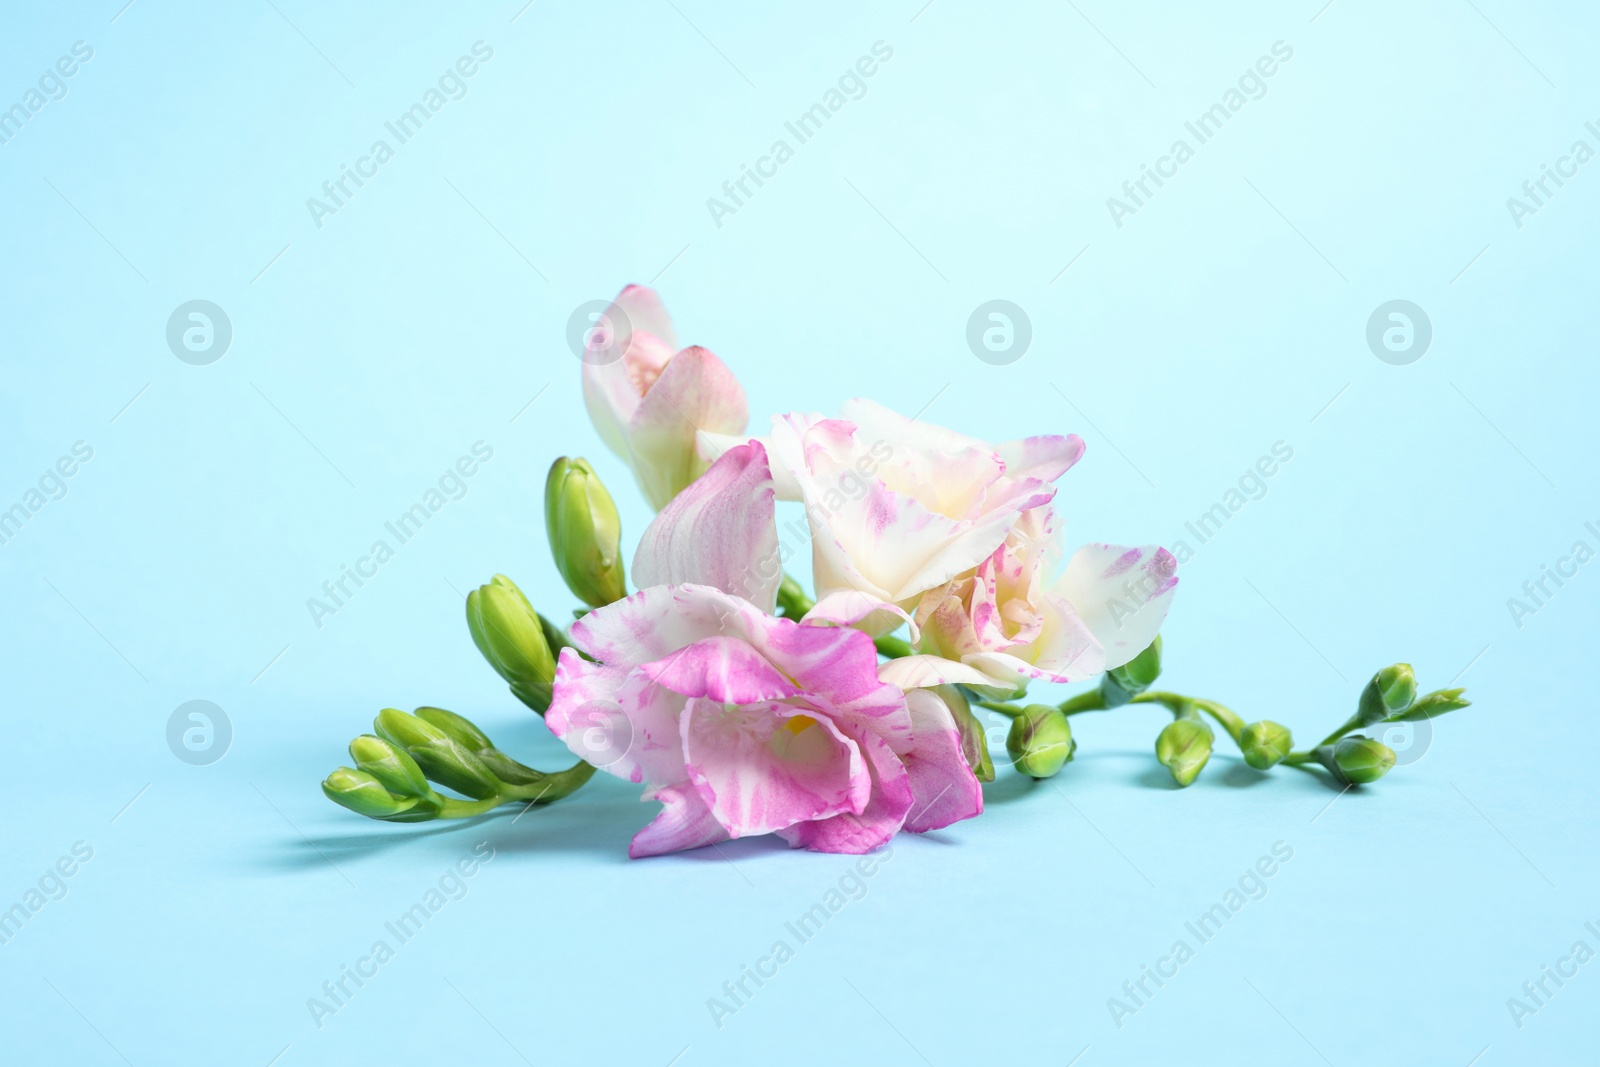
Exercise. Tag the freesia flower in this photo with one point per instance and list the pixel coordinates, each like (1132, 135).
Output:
(739, 722)
(1010, 619)
(899, 507)
(648, 398)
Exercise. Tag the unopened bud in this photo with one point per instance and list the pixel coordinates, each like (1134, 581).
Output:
(510, 635)
(1183, 747)
(390, 765)
(1357, 760)
(1265, 743)
(1435, 703)
(1391, 690)
(585, 532)
(441, 757)
(365, 795)
(1040, 741)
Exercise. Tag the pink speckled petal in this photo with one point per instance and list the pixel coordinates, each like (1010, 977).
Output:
(917, 672)
(633, 334)
(1121, 594)
(695, 391)
(684, 822)
(622, 722)
(660, 619)
(723, 669)
(1046, 457)
(849, 607)
(943, 787)
(763, 767)
(719, 532)
(882, 817)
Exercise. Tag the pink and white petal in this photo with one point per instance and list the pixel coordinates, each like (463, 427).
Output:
(621, 722)
(724, 669)
(764, 767)
(943, 787)
(880, 820)
(696, 391)
(1121, 594)
(684, 822)
(850, 607)
(611, 382)
(720, 531)
(919, 672)
(1046, 457)
(837, 668)
(656, 621)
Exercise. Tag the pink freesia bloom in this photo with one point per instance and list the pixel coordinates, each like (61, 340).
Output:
(741, 723)
(1006, 622)
(648, 398)
(899, 507)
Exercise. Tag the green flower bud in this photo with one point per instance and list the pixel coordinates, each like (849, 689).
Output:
(1391, 690)
(1265, 743)
(475, 741)
(1120, 684)
(365, 795)
(585, 532)
(1435, 703)
(441, 757)
(1183, 747)
(1040, 741)
(510, 635)
(390, 765)
(1357, 760)
(974, 743)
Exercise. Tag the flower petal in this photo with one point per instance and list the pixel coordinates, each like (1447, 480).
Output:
(850, 607)
(723, 669)
(720, 531)
(634, 329)
(622, 723)
(684, 822)
(917, 672)
(695, 391)
(763, 767)
(1121, 594)
(1046, 457)
(880, 820)
(942, 783)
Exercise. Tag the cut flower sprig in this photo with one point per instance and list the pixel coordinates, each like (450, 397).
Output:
(1184, 745)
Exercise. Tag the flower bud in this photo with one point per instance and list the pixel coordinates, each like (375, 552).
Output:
(1265, 743)
(390, 765)
(1435, 703)
(1357, 760)
(441, 757)
(365, 795)
(1120, 684)
(508, 632)
(1183, 747)
(585, 532)
(1040, 741)
(974, 743)
(1391, 690)
(475, 741)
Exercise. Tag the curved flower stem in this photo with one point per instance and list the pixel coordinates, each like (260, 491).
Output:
(893, 647)
(1093, 700)
(1224, 715)
(1350, 724)
(792, 599)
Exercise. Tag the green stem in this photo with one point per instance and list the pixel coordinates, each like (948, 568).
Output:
(552, 788)
(893, 647)
(1010, 710)
(1092, 700)
(1176, 702)
(1350, 724)
(792, 599)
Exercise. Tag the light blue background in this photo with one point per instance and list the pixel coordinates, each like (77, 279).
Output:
(1229, 313)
